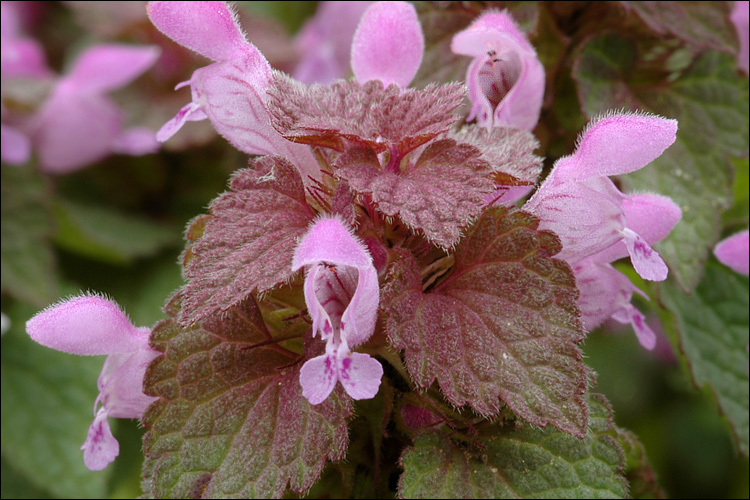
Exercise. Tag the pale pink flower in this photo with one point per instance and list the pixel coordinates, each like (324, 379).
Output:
(91, 325)
(597, 224)
(325, 41)
(506, 78)
(733, 252)
(231, 92)
(78, 124)
(342, 295)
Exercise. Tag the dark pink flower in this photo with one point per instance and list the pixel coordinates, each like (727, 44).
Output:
(342, 295)
(91, 325)
(506, 78)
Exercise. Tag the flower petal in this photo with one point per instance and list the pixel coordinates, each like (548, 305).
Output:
(87, 325)
(360, 375)
(646, 261)
(331, 241)
(75, 130)
(208, 28)
(136, 141)
(100, 447)
(629, 314)
(233, 95)
(16, 147)
(733, 252)
(388, 44)
(615, 145)
(121, 381)
(318, 378)
(105, 68)
(191, 112)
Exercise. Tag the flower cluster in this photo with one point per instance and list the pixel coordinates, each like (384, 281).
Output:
(367, 185)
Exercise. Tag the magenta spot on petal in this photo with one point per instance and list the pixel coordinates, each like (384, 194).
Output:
(346, 364)
(642, 248)
(638, 320)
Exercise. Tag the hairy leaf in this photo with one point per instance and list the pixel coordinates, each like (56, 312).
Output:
(28, 264)
(48, 397)
(638, 471)
(247, 243)
(365, 115)
(231, 420)
(439, 194)
(502, 327)
(712, 327)
(704, 25)
(510, 153)
(518, 462)
(710, 102)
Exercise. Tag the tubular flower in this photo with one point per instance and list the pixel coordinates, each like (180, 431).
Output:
(506, 78)
(598, 224)
(232, 91)
(342, 294)
(91, 325)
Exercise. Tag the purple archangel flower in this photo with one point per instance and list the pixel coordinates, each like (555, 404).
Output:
(325, 42)
(78, 124)
(506, 78)
(733, 252)
(739, 17)
(91, 325)
(231, 92)
(598, 224)
(342, 294)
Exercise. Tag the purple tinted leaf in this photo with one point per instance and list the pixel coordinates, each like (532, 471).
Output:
(438, 195)
(231, 420)
(248, 242)
(510, 153)
(366, 115)
(503, 327)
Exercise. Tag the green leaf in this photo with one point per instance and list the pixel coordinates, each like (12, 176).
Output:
(231, 420)
(712, 324)
(28, 264)
(704, 25)
(710, 102)
(503, 326)
(48, 398)
(100, 233)
(439, 23)
(518, 461)
(638, 471)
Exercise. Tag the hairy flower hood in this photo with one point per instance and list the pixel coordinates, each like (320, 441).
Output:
(92, 325)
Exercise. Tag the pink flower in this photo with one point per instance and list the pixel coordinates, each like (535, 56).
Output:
(342, 295)
(733, 252)
(607, 293)
(232, 91)
(325, 42)
(78, 124)
(598, 224)
(740, 19)
(388, 44)
(19, 56)
(91, 325)
(506, 79)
